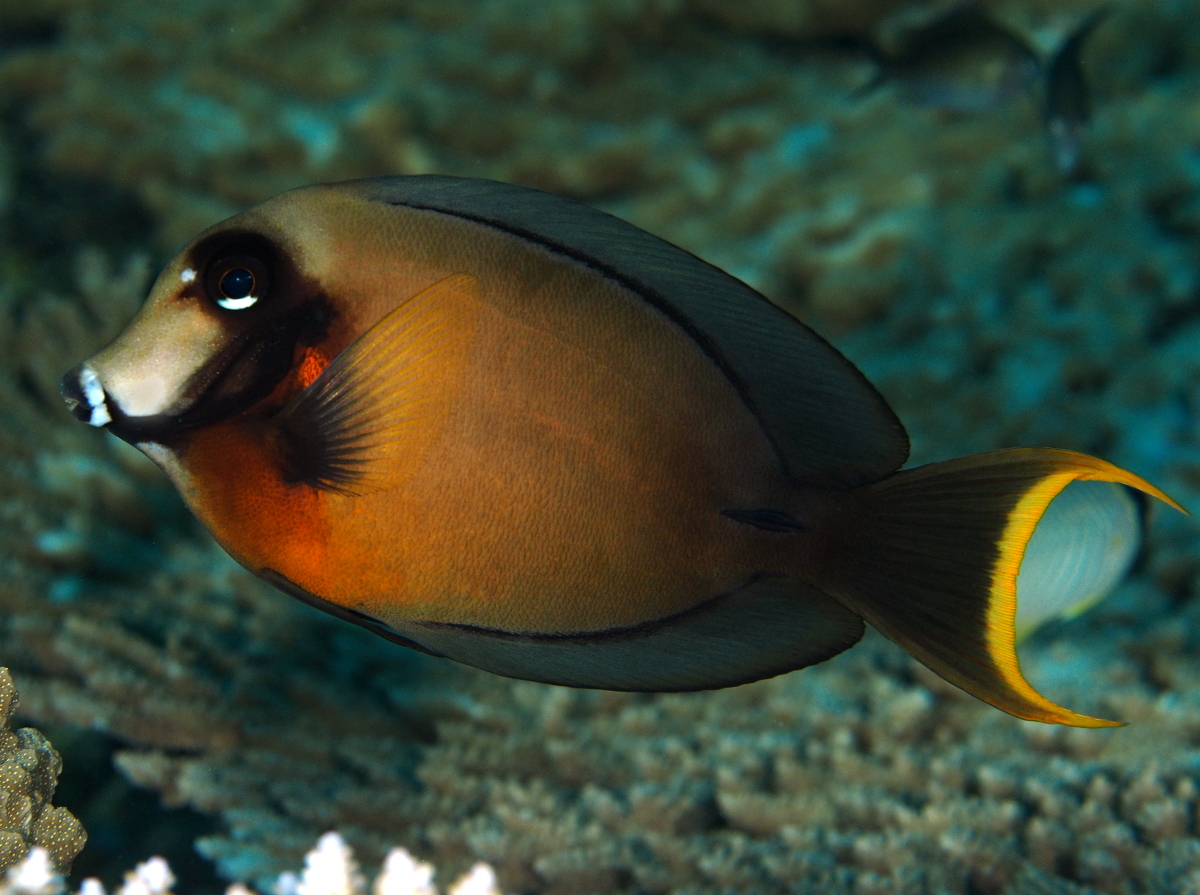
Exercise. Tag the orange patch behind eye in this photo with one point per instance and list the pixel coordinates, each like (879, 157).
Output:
(312, 362)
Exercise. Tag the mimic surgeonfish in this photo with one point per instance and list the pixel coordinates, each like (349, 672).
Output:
(500, 426)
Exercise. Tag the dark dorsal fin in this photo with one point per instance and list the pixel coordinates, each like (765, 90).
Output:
(829, 425)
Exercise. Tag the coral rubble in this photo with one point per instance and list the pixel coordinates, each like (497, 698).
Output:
(29, 769)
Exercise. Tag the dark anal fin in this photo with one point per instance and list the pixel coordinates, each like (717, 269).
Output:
(292, 589)
(366, 423)
(930, 557)
(767, 627)
(779, 521)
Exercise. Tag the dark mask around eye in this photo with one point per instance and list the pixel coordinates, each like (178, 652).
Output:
(267, 310)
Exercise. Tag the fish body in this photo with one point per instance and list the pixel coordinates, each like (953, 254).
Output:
(961, 60)
(576, 396)
(499, 426)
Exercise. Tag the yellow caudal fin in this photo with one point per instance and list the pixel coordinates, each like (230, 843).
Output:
(930, 557)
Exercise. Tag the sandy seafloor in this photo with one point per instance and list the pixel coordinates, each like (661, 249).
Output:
(995, 299)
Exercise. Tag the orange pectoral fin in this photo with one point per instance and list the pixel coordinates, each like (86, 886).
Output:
(367, 421)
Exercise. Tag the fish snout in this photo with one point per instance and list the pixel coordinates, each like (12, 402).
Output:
(85, 396)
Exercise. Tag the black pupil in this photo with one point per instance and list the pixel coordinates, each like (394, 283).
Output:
(237, 283)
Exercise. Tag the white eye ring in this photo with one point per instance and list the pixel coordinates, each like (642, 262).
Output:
(238, 304)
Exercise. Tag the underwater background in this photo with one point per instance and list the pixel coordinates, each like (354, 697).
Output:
(899, 193)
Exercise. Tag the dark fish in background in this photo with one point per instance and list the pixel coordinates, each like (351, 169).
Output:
(962, 61)
(1067, 101)
(497, 425)
(965, 61)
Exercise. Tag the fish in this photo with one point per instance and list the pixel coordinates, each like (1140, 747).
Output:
(1067, 106)
(500, 426)
(963, 60)
(960, 60)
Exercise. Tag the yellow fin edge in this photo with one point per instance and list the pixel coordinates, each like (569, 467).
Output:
(1002, 604)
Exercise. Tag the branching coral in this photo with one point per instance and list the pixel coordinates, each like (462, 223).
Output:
(717, 112)
(29, 769)
(330, 869)
(859, 776)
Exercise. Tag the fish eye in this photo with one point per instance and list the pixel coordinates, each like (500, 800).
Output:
(237, 283)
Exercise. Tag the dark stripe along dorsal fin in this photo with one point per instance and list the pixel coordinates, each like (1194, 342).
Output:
(829, 425)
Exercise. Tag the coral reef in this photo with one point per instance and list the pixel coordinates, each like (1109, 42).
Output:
(867, 776)
(721, 114)
(993, 299)
(862, 775)
(29, 769)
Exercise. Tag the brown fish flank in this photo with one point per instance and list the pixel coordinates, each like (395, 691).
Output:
(577, 481)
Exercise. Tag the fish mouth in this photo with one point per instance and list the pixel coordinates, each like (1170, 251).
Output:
(85, 397)
(238, 376)
(89, 402)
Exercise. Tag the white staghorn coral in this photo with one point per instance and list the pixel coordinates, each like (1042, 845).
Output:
(33, 876)
(329, 869)
(480, 880)
(153, 877)
(404, 875)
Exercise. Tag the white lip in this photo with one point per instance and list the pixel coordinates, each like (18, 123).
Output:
(97, 400)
